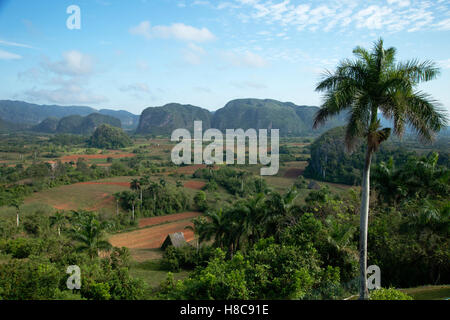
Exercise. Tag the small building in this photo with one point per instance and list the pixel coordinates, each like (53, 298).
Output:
(175, 239)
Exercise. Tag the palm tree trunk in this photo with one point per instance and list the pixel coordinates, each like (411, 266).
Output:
(17, 219)
(364, 218)
(133, 211)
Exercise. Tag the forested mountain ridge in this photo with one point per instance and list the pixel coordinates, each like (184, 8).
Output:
(76, 124)
(33, 114)
(6, 126)
(291, 119)
(163, 120)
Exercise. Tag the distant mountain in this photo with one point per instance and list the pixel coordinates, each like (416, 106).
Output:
(76, 124)
(49, 125)
(291, 119)
(128, 120)
(32, 114)
(163, 120)
(6, 126)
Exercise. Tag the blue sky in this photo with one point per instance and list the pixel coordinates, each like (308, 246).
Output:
(135, 54)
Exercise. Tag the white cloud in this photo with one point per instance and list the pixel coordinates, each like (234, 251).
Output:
(136, 87)
(390, 15)
(14, 44)
(67, 94)
(444, 24)
(200, 3)
(64, 81)
(373, 17)
(245, 59)
(74, 63)
(178, 31)
(400, 3)
(194, 54)
(248, 85)
(5, 55)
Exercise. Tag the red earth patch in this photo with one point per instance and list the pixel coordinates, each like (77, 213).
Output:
(145, 222)
(196, 185)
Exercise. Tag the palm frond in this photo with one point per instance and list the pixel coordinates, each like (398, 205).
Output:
(425, 115)
(419, 71)
(335, 102)
(357, 124)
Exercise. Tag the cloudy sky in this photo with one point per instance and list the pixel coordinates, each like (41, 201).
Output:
(139, 53)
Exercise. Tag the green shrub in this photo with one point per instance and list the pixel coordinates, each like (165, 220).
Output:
(186, 257)
(389, 294)
(23, 247)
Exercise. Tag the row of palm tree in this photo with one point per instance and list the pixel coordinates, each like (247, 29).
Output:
(247, 221)
(142, 184)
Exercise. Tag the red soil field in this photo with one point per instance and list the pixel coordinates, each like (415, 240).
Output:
(190, 169)
(293, 173)
(151, 238)
(121, 184)
(107, 200)
(145, 222)
(75, 157)
(196, 185)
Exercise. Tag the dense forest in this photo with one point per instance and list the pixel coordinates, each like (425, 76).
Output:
(330, 161)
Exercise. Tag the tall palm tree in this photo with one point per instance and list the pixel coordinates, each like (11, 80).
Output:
(374, 82)
(278, 209)
(250, 214)
(242, 175)
(200, 229)
(16, 203)
(217, 227)
(133, 199)
(89, 233)
(117, 196)
(143, 181)
(135, 185)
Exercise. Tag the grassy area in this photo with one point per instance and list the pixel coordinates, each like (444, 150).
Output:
(429, 292)
(151, 272)
(441, 292)
(79, 196)
(26, 209)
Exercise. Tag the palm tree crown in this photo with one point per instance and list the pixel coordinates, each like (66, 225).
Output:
(376, 82)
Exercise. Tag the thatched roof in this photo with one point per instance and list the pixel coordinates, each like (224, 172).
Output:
(175, 239)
